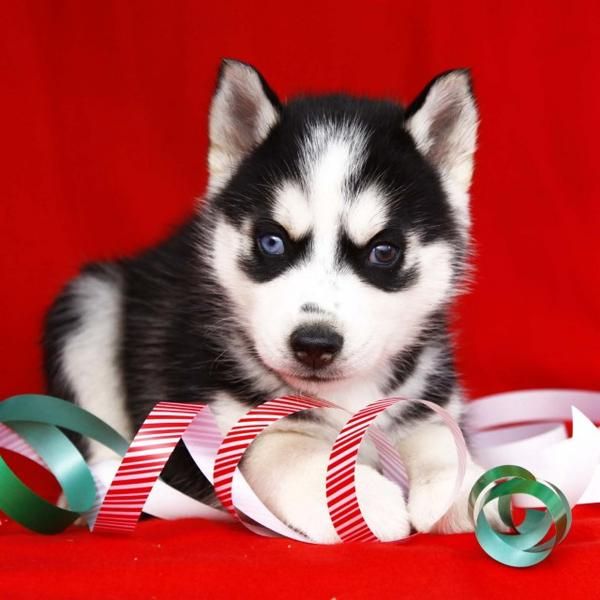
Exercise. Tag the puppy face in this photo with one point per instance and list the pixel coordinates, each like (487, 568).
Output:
(340, 224)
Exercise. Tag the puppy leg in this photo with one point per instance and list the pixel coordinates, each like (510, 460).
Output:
(83, 340)
(430, 457)
(81, 343)
(287, 470)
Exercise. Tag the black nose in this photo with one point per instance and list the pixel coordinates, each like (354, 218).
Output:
(315, 345)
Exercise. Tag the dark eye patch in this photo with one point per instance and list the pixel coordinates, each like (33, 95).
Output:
(261, 266)
(391, 278)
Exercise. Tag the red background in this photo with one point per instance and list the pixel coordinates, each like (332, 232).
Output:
(102, 149)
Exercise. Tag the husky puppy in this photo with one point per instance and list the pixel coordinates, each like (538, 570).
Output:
(323, 260)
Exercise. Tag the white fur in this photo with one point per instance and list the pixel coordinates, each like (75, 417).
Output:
(459, 198)
(227, 411)
(292, 210)
(366, 216)
(89, 358)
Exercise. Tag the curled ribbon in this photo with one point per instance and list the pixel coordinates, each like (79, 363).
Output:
(527, 427)
(528, 547)
(36, 420)
(523, 426)
(30, 426)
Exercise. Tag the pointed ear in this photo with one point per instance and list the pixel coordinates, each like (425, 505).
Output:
(443, 122)
(243, 111)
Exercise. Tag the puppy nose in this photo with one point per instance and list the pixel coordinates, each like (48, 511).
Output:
(315, 345)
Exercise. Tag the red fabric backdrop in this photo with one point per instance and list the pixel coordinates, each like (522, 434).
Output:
(102, 149)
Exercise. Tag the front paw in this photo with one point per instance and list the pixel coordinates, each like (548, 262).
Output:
(382, 504)
(381, 501)
(430, 491)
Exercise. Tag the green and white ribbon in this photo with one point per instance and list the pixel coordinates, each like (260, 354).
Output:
(527, 544)
(38, 420)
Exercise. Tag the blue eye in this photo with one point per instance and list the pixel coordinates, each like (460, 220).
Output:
(271, 244)
(383, 255)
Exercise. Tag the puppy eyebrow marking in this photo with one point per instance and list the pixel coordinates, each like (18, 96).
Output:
(366, 215)
(291, 210)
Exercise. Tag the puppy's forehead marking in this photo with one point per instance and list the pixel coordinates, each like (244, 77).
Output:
(366, 215)
(321, 203)
(334, 156)
(331, 155)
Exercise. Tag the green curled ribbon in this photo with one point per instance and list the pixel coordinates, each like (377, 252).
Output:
(38, 419)
(525, 546)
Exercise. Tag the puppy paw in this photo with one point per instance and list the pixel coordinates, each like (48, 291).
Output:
(313, 520)
(381, 501)
(430, 491)
(288, 472)
(382, 504)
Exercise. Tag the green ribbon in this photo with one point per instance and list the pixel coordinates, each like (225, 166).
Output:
(524, 547)
(37, 419)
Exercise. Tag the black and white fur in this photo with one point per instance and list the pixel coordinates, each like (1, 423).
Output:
(209, 316)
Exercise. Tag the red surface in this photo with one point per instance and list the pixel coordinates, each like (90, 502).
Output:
(195, 559)
(102, 149)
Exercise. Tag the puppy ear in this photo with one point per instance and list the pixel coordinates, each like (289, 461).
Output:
(243, 111)
(443, 122)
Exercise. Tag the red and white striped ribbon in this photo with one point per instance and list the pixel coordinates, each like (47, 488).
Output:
(342, 500)
(391, 464)
(245, 432)
(143, 463)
